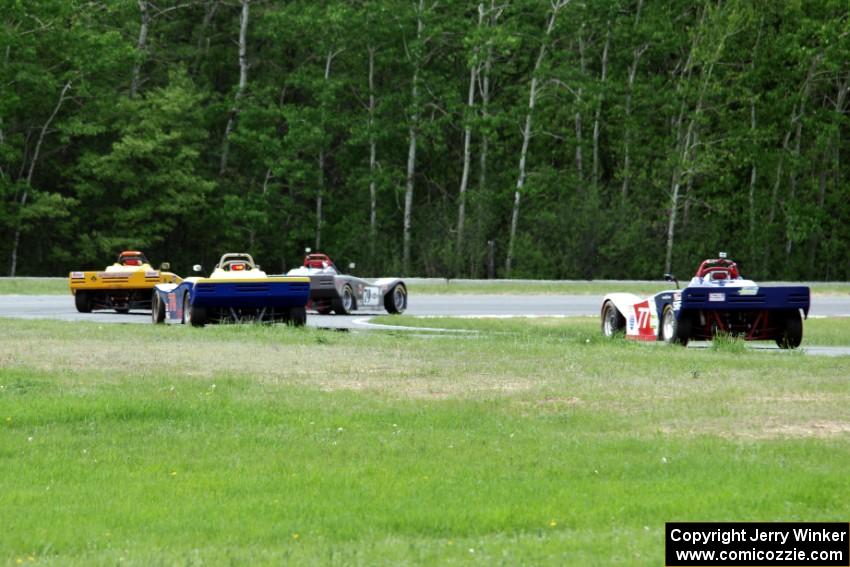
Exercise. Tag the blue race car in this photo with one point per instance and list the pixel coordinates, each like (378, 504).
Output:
(236, 291)
(717, 300)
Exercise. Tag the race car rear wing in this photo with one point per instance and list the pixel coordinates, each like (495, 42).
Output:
(267, 292)
(744, 298)
(119, 280)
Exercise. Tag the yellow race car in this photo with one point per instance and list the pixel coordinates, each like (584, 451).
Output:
(127, 284)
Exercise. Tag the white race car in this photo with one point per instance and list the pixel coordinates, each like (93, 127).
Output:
(717, 300)
(331, 291)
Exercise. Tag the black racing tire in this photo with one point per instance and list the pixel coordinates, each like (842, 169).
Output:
(193, 315)
(346, 303)
(792, 331)
(684, 328)
(157, 309)
(395, 301)
(82, 301)
(185, 318)
(674, 331)
(297, 316)
(324, 308)
(613, 323)
(199, 316)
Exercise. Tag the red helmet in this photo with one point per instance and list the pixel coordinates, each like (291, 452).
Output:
(131, 258)
(719, 268)
(317, 261)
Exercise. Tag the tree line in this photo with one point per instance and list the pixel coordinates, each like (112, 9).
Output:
(506, 138)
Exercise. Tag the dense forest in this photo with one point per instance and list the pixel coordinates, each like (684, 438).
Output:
(521, 138)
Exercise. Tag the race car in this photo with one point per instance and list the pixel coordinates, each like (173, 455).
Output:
(127, 284)
(716, 301)
(343, 294)
(236, 291)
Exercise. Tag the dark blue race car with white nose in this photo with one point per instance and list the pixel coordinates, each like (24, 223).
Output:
(717, 300)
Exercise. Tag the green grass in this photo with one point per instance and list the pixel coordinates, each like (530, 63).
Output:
(537, 444)
(830, 331)
(460, 287)
(33, 286)
(577, 288)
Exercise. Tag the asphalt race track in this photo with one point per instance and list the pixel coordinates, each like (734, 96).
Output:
(62, 307)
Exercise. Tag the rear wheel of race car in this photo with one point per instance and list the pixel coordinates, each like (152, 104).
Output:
(396, 300)
(792, 331)
(346, 303)
(82, 301)
(613, 322)
(195, 316)
(157, 309)
(674, 331)
(185, 318)
(297, 316)
(323, 308)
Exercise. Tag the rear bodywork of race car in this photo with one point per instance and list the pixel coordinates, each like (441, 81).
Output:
(343, 294)
(127, 284)
(236, 291)
(716, 301)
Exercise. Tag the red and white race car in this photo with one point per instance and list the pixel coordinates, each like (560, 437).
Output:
(716, 301)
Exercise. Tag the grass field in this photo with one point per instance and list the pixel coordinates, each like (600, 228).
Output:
(601, 287)
(833, 331)
(33, 286)
(39, 286)
(526, 443)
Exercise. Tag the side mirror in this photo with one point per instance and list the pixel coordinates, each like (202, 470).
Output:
(197, 268)
(671, 278)
(164, 266)
(257, 266)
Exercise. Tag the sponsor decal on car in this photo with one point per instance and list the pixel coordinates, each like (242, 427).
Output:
(371, 296)
(717, 297)
(643, 314)
(643, 327)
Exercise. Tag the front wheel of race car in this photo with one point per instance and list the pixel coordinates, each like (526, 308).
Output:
(792, 331)
(613, 322)
(346, 303)
(674, 331)
(82, 301)
(396, 300)
(157, 309)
